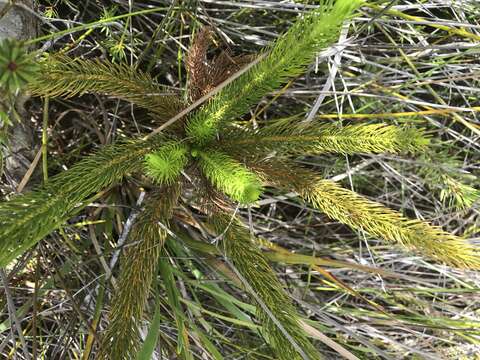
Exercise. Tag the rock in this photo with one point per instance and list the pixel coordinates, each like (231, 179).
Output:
(11, 25)
(17, 23)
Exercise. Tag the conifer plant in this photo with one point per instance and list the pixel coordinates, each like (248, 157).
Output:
(212, 163)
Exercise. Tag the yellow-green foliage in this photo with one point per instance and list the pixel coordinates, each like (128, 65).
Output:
(139, 264)
(63, 76)
(237, 161)
(374, 218)
(26, 219)
(294, 138)
(165, 165)
(274, 307)
(230, 177)
(442, 172)
(286, 58)
(362, 214)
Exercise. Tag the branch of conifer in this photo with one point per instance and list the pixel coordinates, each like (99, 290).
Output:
(205, 97)
(139, 263)
(291, 138)
(274, 309)
(374, 218)
(287, 58)
(26, 219)
(62, 76)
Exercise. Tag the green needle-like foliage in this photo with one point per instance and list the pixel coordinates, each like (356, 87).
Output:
(457, 194)
(226, 165)
(362, 214)
(28, 218)
(139, 263)
(439, 169)
(374, 218)
(17, 67)
(230, 176)
(294, 139)
(165, 165)
(288, 340)
(287, 58)
(62, 76)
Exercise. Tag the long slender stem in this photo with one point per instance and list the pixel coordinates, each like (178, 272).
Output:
(45, 140)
